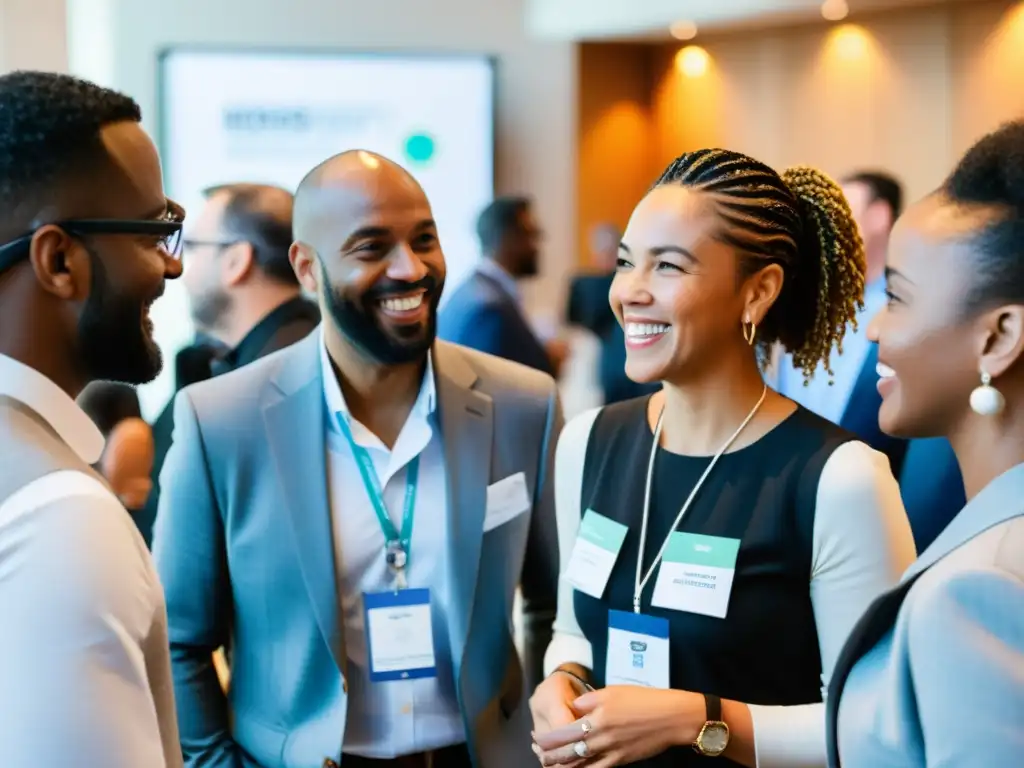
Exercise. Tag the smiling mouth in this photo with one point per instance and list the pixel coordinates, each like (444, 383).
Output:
(884, 371)
(409, 308)
(640, 335)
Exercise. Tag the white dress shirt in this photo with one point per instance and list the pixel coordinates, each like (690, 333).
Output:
(399, 717)
(85, 672)
(861, 544)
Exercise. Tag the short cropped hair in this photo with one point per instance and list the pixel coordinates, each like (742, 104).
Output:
(49, 134)
(882, 186)
(269, 235)
(501, 217)
(991, 174)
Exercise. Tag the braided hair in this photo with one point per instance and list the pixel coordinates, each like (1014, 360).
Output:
(800, 221)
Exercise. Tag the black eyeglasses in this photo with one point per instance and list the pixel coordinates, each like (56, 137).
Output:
(167, 232)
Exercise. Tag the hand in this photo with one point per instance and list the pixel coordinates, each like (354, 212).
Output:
(626, 723)
(551, 703)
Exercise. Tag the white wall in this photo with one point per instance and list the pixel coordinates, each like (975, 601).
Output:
(116, 43)
(32, 35)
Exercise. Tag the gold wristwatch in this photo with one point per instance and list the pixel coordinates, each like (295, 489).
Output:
(714, 736)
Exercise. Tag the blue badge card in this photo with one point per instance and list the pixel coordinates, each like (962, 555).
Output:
(637, 650)
(400, 637)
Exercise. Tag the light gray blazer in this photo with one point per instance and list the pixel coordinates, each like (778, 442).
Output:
(244, 547)
(944, 686)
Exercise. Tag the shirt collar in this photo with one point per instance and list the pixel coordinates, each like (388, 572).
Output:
(497, 273)
(54, 406)
(335, 399)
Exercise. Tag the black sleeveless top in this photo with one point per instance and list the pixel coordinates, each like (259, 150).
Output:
(766, 649)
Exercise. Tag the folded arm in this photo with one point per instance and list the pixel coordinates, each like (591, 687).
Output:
(191, 558)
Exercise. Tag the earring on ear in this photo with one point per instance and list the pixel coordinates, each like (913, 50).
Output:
(986, 400)
(753, 332)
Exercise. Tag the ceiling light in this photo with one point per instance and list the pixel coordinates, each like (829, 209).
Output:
(835, 10)
(683, 30)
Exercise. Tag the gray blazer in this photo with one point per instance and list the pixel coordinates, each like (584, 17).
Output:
(244, 547)
(933, 675)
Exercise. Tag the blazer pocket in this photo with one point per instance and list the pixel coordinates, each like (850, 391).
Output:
(506, 500)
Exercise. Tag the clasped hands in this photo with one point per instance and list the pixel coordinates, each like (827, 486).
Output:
(612, 726)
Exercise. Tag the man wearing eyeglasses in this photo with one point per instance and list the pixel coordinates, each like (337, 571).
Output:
(242, 292)
(87, 240)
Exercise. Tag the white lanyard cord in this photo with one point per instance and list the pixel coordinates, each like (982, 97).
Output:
(640, 583)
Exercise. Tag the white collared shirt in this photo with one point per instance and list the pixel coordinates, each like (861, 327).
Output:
(85, 669)
(404, 716)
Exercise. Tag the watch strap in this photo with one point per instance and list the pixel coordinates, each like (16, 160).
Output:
(712, 708)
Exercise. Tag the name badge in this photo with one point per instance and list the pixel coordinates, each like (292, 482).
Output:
(696, 574)
(594, 553)
(400, 637)
(637, 650)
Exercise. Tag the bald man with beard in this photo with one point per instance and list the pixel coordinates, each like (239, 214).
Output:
(352, 515)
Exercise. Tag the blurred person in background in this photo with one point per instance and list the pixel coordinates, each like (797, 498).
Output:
(485, 312)
(243, 294)
(743, 534)
(933, 674)
(848, 396)
(87, 241)
(127, 458)
(351, 516)
(589, 308)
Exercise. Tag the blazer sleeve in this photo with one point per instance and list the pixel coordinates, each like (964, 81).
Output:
(568, 645)
(540, 566)
(862, 544)
(191, 559)
(966, 641)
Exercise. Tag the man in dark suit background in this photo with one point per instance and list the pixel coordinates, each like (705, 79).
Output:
(929, 476)
(484, 313)
(589, 308)
(244, 297)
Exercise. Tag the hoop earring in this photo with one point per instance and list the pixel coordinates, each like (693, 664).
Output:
(753, 332)
(986, 400)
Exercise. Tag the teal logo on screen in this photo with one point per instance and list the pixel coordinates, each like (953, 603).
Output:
(420, 148)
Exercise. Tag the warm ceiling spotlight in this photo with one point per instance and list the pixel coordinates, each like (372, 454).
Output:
(683, 30)
(835, 10)
(693, 61)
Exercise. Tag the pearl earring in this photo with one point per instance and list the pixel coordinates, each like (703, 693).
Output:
(986, 400)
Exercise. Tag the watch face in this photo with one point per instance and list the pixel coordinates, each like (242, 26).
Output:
(714, 738)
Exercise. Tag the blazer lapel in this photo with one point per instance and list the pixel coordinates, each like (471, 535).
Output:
(296, 440)
(467, 427)
(1001, 500)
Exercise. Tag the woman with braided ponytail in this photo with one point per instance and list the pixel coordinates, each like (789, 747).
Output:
(718, 542)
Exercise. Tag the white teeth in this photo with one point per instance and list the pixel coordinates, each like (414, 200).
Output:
(645, 330)
(402, 305)
(884, 371)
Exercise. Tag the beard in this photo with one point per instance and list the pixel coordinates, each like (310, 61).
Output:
(209, 309)
(357, 320)
(113, 343)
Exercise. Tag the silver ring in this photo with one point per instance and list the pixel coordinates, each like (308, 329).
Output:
(587, 727)
(581, 749)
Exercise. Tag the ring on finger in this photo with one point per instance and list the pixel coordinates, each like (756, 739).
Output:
(581, 749)
(586, 727)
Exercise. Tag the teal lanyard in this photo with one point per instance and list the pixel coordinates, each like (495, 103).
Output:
(396, 544)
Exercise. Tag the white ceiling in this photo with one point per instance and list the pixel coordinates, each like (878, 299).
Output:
(616, 19)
